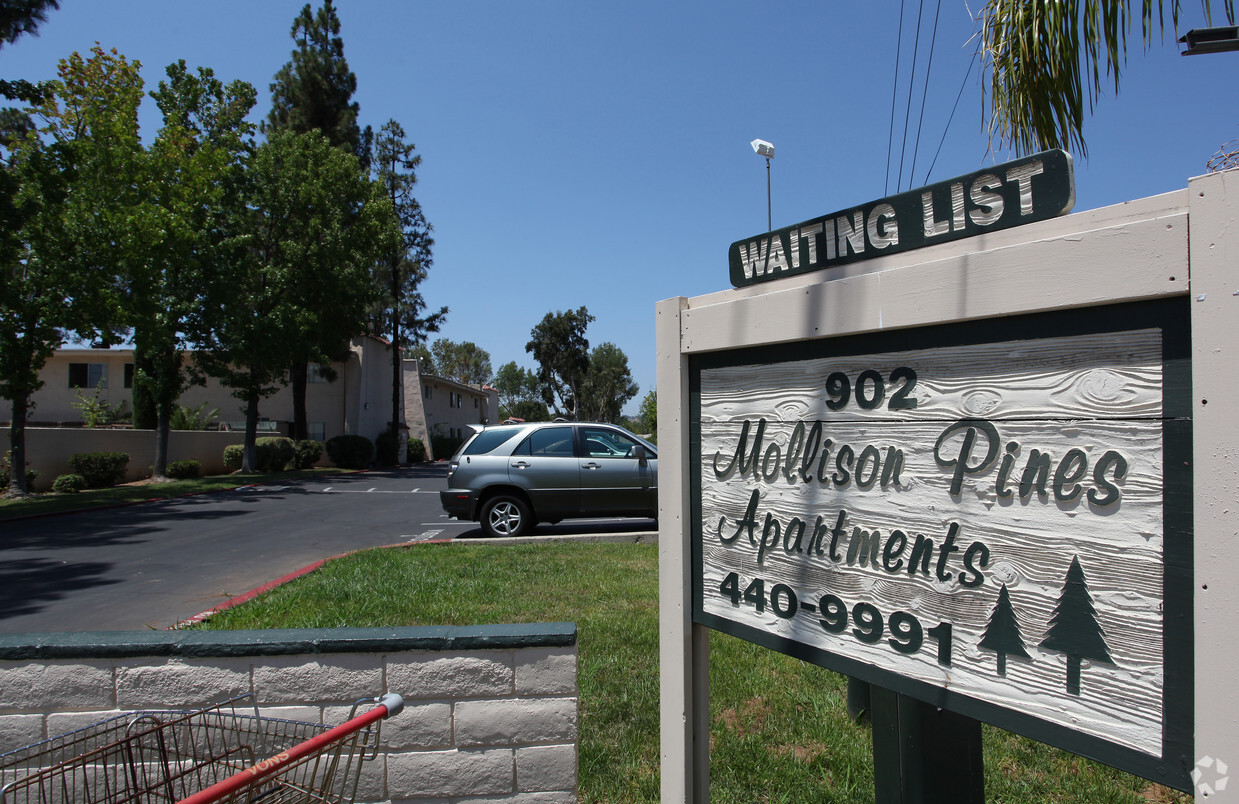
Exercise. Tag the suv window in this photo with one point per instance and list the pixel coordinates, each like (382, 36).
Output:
(488, 440)
(555, 442)
(604, 443)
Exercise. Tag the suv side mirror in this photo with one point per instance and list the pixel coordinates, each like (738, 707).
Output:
(638, 452)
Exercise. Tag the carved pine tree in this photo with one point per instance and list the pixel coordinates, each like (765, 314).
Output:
(1074, 630)
(1002, 635)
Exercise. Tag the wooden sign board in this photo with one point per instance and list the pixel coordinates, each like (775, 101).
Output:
(991, 516)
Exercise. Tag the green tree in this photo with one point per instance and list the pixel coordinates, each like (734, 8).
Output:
(516, 385)
(65, 209)
(1046, 57)
(187, 220)
(559, 346)
(608, 384)
(401, 313)
(1074, 630)
(463, 362)
(316, 224)
(313, 92)
(420, 353)
(647, 415)
(19, 17)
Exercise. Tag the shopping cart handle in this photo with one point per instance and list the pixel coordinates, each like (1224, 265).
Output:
(393, 702)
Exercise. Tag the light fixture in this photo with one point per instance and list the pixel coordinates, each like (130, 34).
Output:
(766, 149)
(1210, 40)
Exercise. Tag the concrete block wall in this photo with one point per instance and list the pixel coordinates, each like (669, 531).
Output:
(490, 711)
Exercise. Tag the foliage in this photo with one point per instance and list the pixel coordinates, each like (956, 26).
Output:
(444, 446)
(421, 354)
(97, 412)
(1045, 58)
(184, 470)
(416, 451)
(308, 453)
(233, 456)
(608, 384)
(350, 451)
(387, 448)
(184, 418)
(19, 17)
(313, 90)
(275, 454)
(6, 472)
(559, 346)
(101, 469)
(647, 415)
(530, 410)
(69, 484)
(463, 362)
(314, 228)
(516, 385)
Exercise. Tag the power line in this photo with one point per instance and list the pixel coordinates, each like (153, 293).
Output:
(890, 137)
(933, 40)
(949, 119)
(903, 148)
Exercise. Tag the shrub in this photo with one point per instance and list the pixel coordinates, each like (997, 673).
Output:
(234, 456)
(6, 466)
(350, 451)
(274, 454)
(416, 450)
(101, 469)
(198, 418)
(387, 449)
(307, 454)
(68, 484)
(445, 446)
(183, 470)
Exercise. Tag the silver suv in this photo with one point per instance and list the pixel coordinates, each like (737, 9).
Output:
(509, 477)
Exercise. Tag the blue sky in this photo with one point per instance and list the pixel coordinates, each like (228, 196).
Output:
(598, 154)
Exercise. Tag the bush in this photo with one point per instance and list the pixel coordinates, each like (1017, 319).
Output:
(350, 451)
(275, 454)
(101, 469)
(307, 453)
(6, 467)
(445, 446)
(183, 470)
(416, 450)
(387, 449)
(234, 456)
(68, 484)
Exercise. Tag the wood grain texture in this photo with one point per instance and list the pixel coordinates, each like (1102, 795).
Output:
(1097, 394)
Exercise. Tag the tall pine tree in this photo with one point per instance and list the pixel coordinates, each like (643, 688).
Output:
(401, 314)
(313, 92)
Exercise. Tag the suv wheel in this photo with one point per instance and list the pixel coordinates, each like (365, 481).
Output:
(506, 515)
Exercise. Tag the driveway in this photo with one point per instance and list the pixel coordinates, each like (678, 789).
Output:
(156, 564)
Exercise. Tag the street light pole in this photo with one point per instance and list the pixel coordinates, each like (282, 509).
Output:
(763, 148)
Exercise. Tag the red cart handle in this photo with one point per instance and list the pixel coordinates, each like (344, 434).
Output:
(388, 705)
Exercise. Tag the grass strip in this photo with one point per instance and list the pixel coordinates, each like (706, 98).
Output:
(779, 727)
(41, 504)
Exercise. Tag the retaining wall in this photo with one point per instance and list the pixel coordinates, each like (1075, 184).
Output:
(490, 711)
(48, 449)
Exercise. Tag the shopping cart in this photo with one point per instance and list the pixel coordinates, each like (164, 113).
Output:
(221, 753)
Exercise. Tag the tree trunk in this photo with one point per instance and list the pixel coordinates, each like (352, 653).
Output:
(17, 445)
(300, 374)
(163, 422)
(397, 385)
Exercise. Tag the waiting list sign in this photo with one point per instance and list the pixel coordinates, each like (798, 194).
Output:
(989, 516)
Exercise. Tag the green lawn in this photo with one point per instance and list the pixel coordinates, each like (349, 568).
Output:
(780, 730)
(49, 503)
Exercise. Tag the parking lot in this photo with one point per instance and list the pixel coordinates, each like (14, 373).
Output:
(156, 564)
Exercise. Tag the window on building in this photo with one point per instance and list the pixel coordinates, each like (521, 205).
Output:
(316, 431)
(128, 375)
(88, 375)
(428, 391)
(475, 403)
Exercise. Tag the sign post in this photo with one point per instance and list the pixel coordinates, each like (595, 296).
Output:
(965, 476)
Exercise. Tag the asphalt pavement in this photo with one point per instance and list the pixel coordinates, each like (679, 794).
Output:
(157, 564)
